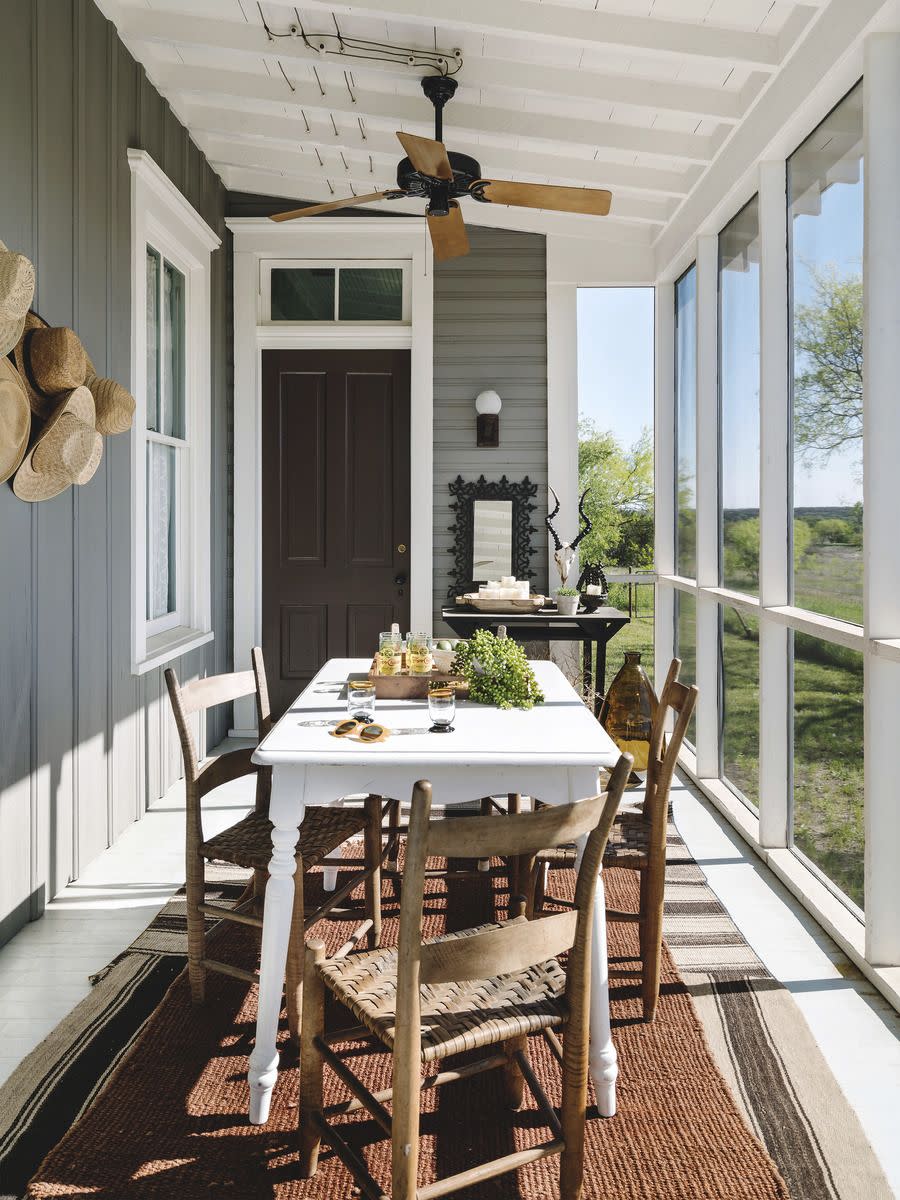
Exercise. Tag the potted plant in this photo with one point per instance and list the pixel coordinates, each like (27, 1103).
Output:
(567, 601)
(497, 671)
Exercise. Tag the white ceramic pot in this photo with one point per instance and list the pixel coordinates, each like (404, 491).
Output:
(567, 606)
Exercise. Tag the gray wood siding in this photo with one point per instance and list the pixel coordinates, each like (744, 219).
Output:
(86, 745)
(490, 331)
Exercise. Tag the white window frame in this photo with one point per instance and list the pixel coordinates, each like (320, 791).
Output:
(266, 267)
(872, 939)
(163, 219)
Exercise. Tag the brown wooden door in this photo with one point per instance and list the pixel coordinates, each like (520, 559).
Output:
(335, 508)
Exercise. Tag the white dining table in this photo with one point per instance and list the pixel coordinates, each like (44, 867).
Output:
(552, 751)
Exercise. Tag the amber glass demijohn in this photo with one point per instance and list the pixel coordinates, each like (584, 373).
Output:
(628, 710)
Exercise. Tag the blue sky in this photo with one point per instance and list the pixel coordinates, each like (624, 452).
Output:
(615, 357)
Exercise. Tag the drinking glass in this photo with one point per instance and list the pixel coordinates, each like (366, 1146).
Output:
(442, 709)
(361, 699)
(418, 654)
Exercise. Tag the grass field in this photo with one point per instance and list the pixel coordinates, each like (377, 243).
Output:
(827, 817)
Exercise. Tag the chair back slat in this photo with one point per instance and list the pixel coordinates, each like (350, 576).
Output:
(263, 706)
(216, 689)
(680, 699)
(197, 696)
(523, 833)
(498, 951)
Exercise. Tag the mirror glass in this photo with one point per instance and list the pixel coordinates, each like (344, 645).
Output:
(492, 522)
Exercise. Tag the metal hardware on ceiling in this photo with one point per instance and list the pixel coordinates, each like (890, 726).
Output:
(442, 62)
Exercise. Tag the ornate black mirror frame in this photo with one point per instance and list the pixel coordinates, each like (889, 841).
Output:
(465, 494)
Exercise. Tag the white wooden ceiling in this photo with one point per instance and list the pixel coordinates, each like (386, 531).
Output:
(639, 96)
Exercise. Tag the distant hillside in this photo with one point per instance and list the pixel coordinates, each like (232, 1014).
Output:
(806, 514)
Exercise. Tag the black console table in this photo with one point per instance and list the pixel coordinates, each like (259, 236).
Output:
(594, 629)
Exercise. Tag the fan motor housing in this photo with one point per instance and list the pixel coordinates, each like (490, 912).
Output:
(465, 172)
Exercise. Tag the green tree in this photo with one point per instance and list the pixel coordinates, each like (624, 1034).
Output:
(802, 539)
(741, 540)
(828, 380)
(834, 531)
(620, 500)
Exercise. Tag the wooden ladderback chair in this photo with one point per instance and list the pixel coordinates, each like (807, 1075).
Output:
(488, 988)
(248, 843)
(637, 840)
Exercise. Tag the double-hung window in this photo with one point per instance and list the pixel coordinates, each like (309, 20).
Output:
(171, 248)
(168, 448)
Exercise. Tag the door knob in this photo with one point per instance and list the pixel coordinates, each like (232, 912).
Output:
(401, 549)
(399, 580)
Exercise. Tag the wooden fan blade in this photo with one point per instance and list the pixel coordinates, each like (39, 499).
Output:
(448, 234)
(313, 210)
(427, 156)
(595, 201)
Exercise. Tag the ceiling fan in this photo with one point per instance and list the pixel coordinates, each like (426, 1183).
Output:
(432, 171)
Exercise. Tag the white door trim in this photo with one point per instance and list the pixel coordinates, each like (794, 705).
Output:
(332, 240)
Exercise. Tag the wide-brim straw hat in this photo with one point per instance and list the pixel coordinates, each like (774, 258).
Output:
(114, 403)
(67, 450)
(16, 294)
(15, 419)
(51, 361)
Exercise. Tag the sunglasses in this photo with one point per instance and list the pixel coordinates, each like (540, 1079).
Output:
(360, 731)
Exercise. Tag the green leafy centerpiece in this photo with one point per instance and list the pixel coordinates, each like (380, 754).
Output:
(496, 671)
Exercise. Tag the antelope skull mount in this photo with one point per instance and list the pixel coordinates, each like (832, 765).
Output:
(564, 552)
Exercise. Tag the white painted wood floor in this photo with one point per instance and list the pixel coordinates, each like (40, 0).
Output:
(44, 970)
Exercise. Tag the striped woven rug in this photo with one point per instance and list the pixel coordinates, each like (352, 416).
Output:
(757, 1036)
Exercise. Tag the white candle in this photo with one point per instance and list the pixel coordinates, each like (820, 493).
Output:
(507, 580)
(523, 589)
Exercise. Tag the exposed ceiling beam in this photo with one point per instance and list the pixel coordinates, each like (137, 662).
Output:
(564, 23)
(355, 178)
(519, 75)
(409, 111)
(290, 131)
(793, 103)
(496, 216)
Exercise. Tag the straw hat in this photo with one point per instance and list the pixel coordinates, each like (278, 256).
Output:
(16, 293)
(15, 419)
(50, 361)
(114, 404)
(68, 450)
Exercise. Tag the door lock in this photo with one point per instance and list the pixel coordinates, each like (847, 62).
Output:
(399, 580)
(401, 549)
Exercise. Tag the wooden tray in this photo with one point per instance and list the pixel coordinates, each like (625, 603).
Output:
(410, 687)
(509, 608)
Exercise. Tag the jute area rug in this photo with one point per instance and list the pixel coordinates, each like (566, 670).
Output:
(140, 1096)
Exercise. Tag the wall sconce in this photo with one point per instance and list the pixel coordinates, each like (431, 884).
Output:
(488, 405)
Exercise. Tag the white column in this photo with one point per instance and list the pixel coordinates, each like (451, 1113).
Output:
(664, 477)
(562, 409)
(707, 504)
(774, 508)
(247, 459)
(881, 448)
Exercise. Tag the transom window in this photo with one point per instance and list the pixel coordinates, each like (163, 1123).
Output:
(371, 293)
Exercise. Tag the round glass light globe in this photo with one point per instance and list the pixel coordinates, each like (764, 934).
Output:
(487, 402)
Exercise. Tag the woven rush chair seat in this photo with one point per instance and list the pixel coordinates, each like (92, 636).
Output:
(248, 843)
(628, 845)
(455, 1016)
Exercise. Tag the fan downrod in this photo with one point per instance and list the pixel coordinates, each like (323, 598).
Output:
(439, 89)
